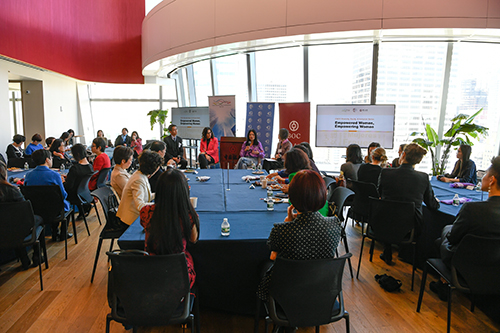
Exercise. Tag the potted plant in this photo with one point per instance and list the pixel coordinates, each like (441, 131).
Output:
(159, 116)
(461, 131)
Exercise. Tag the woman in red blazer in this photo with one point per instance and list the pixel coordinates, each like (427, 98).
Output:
(209, 149)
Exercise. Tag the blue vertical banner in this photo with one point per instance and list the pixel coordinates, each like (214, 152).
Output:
(260, 117)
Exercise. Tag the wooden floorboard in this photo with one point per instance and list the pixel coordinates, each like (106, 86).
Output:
(70, 303)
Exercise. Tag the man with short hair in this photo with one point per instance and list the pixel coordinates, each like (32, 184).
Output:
(42, 175)
(175, 150)
(124, 139)
(100, 162)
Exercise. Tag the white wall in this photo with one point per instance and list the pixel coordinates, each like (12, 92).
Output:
(59, 93)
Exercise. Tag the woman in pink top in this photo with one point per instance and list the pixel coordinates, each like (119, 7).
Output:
(136, 144)
(209, 149)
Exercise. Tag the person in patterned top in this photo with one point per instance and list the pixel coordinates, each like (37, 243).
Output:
(306, 234)
(172, 221)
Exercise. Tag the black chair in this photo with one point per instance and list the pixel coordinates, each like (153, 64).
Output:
(390, 222)
(150, 290)
(360, 209)
(305, 293)
(338, 198)
(328, 183)
(103, 177)
(17, 229)
(475, 268)
(47, 201)
(108, 202)
(83, 198)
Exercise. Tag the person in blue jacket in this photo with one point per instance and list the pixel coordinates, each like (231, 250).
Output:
(464, 170)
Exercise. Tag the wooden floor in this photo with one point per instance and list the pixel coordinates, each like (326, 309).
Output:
(70, 303)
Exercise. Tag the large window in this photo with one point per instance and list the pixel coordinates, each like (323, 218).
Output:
(338, 74)
(114, 106)
(475, 84)
(411, 75)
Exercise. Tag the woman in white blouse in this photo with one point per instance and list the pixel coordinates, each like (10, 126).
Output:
(137, 192)
(119, 177)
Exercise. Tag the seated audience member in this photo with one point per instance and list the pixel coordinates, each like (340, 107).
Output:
(34, 144)
(48, 142)
(77, 171)
(42, 175)
(10, 193)
(119, 177)
(124, 139)
(475, 218)
(251, 151)
(100, 134)
(65, 138)
(160, 148)
(353, 161)
(71, 140)
(371, 147)
(284, 145)
(100, 162)
(137, 192)
(136, 144)
(59, 156)
(308, 152)
(209, 149)
(305, 235)
(464, 170)
(171, 222)
(369, 172)
(175, 150)
(15, 153)
(395, 162)
(406, 184)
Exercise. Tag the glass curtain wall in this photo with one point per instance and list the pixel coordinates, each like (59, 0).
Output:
(115, 106)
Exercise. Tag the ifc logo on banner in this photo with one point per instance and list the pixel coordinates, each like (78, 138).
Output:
(294, 126)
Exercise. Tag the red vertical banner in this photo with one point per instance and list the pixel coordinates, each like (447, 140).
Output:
(296, 118)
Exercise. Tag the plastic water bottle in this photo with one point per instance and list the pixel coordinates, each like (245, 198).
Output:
(225, 228)
(26, 166)
(269, 193)
(62, 167)
(456, 200)
(270, 204)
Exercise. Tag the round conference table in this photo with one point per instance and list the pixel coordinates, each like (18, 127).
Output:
(227, 268)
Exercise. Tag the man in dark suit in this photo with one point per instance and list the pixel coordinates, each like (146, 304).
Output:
(124, 139)
(175, 150)
(406, 184)
(475, 218)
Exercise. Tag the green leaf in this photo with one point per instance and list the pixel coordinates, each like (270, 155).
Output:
(431, 135)
(416, 133)
(471, 118)
(422, 142)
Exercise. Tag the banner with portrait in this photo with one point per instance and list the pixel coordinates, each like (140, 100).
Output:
(296, 118)
(260, 117)
(222, 115)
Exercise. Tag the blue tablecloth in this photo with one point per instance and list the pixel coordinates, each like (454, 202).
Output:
(443, 191)
(235, 176)
(227, 268)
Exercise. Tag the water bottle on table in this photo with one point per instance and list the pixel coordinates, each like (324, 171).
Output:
(225, 228)
(456, 200)
(26, 166)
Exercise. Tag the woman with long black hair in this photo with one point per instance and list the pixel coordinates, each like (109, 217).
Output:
(464, 170)
(251, 151)
(172, 221)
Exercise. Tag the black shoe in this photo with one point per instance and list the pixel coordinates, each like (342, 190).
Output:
(35, 261)
(387, 259)
(440, 289)
(25, 264)
(60, 238)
